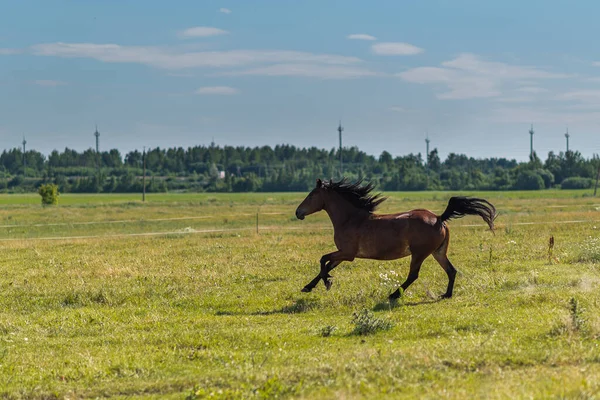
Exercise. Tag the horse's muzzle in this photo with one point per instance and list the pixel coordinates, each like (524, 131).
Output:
(299, 215)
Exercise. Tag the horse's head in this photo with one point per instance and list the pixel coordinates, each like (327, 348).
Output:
(313, 202)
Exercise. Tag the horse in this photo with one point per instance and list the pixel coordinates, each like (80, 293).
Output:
(361, 233)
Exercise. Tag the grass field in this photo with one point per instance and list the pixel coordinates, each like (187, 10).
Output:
(180, 297)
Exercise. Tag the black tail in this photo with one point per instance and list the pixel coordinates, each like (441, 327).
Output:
(458, 207)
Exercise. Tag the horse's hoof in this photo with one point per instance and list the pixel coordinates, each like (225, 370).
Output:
(328, 284)
(394, 296)
(446, 296)
(306, 289)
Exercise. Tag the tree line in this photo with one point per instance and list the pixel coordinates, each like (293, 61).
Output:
(283, 168)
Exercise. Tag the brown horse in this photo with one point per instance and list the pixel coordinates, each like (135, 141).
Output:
(360, 233)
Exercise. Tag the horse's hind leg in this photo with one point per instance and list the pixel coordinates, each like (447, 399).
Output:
(441, 257)
(415, 266)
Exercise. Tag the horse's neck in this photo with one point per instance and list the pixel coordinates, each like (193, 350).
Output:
(341, 211)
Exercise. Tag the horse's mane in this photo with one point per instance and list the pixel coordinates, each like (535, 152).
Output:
(359, 196)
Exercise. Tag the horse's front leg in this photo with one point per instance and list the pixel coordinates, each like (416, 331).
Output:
(324, 275)
(328, 262)
(324, 261)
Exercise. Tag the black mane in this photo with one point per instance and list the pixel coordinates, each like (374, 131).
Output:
(359, 196)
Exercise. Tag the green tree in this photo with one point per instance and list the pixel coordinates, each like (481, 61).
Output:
(529, 180)
(49, 193)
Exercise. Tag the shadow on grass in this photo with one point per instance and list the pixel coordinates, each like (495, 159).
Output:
(390, 305)
(387, 305)
(419, 303)
(298, 306)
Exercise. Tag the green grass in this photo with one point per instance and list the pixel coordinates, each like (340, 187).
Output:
(71, 199)
(220, 314)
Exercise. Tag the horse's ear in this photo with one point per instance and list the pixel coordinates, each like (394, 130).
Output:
(319, 183)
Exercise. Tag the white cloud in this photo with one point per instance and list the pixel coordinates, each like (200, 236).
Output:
(472, 63)
(524, 116)
(172, 59)
(395, 49)
(402, 110)
(225, 10)
(361, 36)
(467, 77)
(523, 94)
(180, 74)
(8, 52)
(516, 99)
(306, 70)
(202, 31)
(532, 89)
(462, 86)
(219, 90)
(49, 82)
(585, 96)
(584, 106)
(580, 100)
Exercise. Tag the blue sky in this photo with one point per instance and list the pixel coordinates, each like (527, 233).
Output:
(472, 75)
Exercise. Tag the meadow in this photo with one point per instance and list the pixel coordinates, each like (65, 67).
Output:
(182, 297)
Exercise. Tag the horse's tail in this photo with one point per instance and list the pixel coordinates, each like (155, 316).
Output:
(460, 206)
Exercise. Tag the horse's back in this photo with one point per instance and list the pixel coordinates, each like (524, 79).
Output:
(391, 236)
(412, 216)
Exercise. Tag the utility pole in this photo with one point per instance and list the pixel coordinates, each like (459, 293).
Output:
(427, 151)
(144, 176)
(427, 159)
(340, 130)
(97, 134)
(24, 158)
(567, 136)
(531, 143)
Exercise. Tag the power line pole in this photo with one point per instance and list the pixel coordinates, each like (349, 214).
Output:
(427, 159)
(24, 158)
(144, 176)
(427, 151)
(567, 136)
(97, 134)
(340, 130)
(531, 143)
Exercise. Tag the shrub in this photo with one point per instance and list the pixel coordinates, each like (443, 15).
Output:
(576, 312)
(366, 323)
(589, 250)
(49, 193)
(576, 183)
(327, 330)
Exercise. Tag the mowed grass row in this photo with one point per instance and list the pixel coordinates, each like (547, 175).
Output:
(106, 215)
(221, 314)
